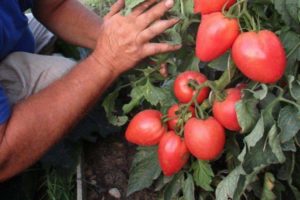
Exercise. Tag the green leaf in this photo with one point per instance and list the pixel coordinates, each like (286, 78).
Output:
(189, 188)
(286, 170)
(263, 153)
(220, 63)
(291, 41)
(274, 142)
(203, 174)
(269, 184)
(256, 134)
(293, 9)
(144, 170)
(294, 86)
(109, 107)
(226, 188)
(130, 4)
(289, 123)
(174, 186)
(262, 93)
(281, 8)
(136, 95)
(232, 150)
(247, 114)
(289, 146)
(154, 95)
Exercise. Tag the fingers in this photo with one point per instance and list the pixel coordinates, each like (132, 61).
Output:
(154, 13)
(155, 29)
(116, 8)
(157, 48)
(141, 8)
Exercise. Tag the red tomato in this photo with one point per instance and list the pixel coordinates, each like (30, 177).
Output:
(205, 139)
(260, 56)
(210, 6)
(145, 128)
(183, 92)
(215, 36)
(172, 153)
(225, 112)
(172, 115)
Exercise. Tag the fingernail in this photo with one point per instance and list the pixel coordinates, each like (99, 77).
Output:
(169, 3)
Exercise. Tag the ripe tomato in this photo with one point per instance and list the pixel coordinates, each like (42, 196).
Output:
(225, 111)
(183, 92)
(172, 153)
(174, 118)
(210, 6)
(215, 36)
(205, 139)
(260, 56)
(145, 128)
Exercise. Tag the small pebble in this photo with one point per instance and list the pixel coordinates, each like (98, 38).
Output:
(93, 182)
(114, 192)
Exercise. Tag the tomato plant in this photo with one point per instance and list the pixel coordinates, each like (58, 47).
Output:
(184, 92)
(215, 36)
(263, 53)
(210, 6)
(204, 138)
(145, 128)
(225, 111)
(174, 117)
(260, 56)
(172, 153)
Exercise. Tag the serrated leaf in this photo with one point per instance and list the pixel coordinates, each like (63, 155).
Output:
(154, 95)
(262, 155)
(291, 40)
(220, 63)
(293, 9)
(247, 114)
(136, 95)
(145, 169)
(174, 186)
(289, 123)
(226, 188)
(109, 107)
(203, 174)
(281, 8)
(189, 188)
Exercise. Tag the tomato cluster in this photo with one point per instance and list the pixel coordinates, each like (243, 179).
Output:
(259, 55)
(186, 129)
(182, 133)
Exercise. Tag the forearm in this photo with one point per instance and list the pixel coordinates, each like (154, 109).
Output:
(41, 120)
(69, 20)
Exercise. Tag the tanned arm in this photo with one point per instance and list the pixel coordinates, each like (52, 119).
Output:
(40, 121)
(69, 20)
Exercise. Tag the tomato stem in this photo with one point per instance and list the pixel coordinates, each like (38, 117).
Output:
(289, 102)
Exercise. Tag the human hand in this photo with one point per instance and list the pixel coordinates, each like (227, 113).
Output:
(124, 40)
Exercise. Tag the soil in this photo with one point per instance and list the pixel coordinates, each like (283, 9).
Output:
(107, 165)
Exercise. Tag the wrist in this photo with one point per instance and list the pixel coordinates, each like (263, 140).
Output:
(104, 64)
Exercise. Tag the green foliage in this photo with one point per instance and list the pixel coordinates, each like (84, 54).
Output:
(261, 163)
(144, 170)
